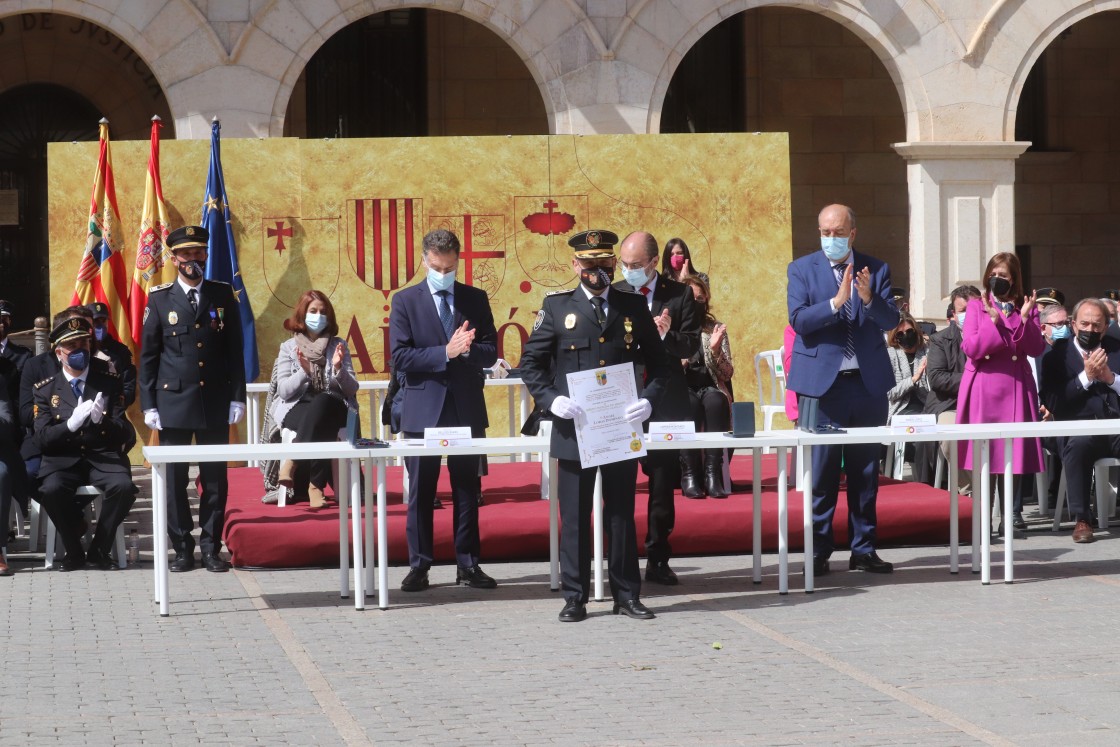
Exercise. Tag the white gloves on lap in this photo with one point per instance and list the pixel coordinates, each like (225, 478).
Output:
(81, 413)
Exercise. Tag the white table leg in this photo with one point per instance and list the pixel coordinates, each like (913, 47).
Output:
(553, 525)
(382, 540)
(343, 535)
(985, 512)
(954, 511)
(368, 516)
(1008, 514)
(783, 523)
(159, 537)
(807, 509)
(597, 522)
(352, 466)
(756, 508)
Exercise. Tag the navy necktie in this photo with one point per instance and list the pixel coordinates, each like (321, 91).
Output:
(847, 316)
(193, 296)
(76, 385)
(445, 315)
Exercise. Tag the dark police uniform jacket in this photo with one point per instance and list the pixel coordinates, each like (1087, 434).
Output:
(567, 338)
(41, 367)
(103, 445)
(191, 364)
(121, 358)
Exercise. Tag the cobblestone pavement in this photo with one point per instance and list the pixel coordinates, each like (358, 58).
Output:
(276, 657)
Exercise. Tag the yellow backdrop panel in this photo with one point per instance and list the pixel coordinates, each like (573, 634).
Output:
(347, 217)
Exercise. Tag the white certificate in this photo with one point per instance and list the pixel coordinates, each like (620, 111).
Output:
(605, 435)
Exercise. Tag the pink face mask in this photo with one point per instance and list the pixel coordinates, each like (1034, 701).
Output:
(676, 261)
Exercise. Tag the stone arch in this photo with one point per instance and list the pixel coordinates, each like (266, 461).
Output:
(1043, 38)
(893, 56)
(491, 17)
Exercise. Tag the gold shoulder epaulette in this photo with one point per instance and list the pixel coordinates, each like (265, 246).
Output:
(164, 286)
(44, 382)
(559, 292)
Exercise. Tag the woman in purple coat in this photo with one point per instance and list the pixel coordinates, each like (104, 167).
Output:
(997, 385)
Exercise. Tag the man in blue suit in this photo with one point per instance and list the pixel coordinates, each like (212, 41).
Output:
(840, 306)
(442, 336)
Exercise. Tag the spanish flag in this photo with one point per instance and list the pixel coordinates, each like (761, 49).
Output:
(152, 256)
(102, 276)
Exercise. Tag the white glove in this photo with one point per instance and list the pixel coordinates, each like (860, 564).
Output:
(151, 419)
(80, 415)
(562, 407)
(236, 412)
(98, 410)
(500, 369)
(639, 411)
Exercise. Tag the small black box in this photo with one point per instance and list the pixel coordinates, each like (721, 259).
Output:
(742, 419)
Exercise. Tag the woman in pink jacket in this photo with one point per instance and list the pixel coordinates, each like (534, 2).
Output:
(997, 385)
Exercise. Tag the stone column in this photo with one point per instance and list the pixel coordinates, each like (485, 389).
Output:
(962, 211)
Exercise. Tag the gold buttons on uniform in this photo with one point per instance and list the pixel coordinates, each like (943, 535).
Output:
(602, 363)
(165, 386)
(202, 383)
(201, 364)
(573, 347)
(197, 326)
(199, 344)
(602, 339)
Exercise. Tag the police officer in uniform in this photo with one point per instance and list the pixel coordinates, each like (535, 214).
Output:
(82, 432)
(586, 327)
(114, 350)
(192, 387)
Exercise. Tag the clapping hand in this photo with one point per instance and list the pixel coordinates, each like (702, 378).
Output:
(686, 270)
(303, 362)
(98, 410)
(863, 284)
(663, 322)
(336, 359)
(990, 310)
(80, 415)
(460, 342)
(845, 291)
(1028, 304)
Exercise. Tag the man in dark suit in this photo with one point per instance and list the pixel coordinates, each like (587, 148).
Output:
(17, 355)
(1080, 382)
(15, 359)
(82, 432)
(673, 311)
(593, 325)
(840, 306)
(113, 349)
(441, 337)
(944, 369)
(192, 387)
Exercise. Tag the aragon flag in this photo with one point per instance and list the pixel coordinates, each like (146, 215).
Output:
(222, 263)
(152, 257)
(101, 275)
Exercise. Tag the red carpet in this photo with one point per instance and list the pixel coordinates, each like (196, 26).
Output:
(514, 521)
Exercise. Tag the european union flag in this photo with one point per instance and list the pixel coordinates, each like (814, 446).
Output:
(222, 264)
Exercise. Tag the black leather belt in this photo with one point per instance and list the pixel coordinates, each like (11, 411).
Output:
(849, 373)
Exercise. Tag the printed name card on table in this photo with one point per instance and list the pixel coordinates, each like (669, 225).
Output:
(913, 423)
(671, 430)
(438, 437)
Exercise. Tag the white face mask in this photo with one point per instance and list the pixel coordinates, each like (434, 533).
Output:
(835, 247)
(315, 321)
(636, 278)
(441, 281)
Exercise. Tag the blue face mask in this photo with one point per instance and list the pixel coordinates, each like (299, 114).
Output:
(439, 280)
(835, 247)
(78, 360)
(960, 320)
(99, 333)
(636, 278)
(315, 322)
(1061, 333)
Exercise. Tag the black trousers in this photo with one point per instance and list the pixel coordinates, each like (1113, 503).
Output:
(1078, 455)
(423, 475)
(576, 487)
(67, 510)
(212, 501)
(711, 413)
(663, 468)
(315, 418)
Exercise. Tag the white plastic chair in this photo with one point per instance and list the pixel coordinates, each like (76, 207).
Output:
(1105, 493)
(772, 389)
(52, 533)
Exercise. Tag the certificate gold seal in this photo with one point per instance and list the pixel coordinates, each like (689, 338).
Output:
(570, 321)
(172, 317)
(635, 445)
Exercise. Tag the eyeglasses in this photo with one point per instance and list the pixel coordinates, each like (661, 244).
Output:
(1055, 324)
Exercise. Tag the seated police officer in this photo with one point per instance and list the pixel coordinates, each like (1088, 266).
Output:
(114, 351)
(82, 432)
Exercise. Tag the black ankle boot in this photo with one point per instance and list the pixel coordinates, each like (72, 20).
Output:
(690, 474)
(713, 475)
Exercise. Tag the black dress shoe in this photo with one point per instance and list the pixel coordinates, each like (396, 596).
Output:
(573, 612)
(820, 567)
(437, 503)
(1020, 522)
(183, 562)
(869, 562)
(72, 562)
(661, 573)
(474, 578)
(99, 560)
(416, 580)
(632, 608)
(214, 563)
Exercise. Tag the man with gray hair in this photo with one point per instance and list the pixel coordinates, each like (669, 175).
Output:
(1080, 382)
(441, 337)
